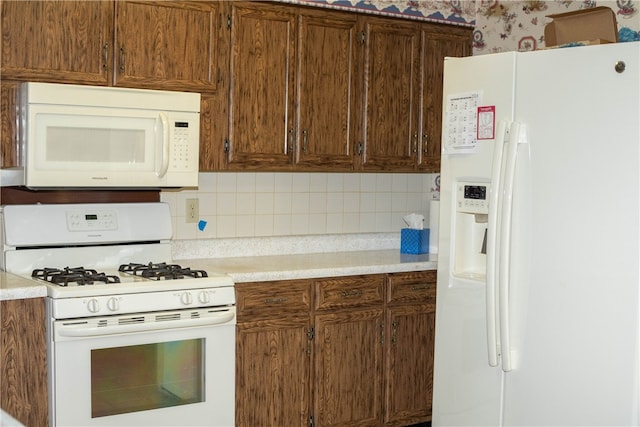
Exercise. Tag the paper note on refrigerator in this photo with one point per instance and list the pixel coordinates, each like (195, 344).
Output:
(461, 123)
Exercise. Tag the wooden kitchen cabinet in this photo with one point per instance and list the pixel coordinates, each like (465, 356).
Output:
(69, 41)
(410, 325)
(349, 351)
(23, 360)
(390, 88)
(403, 92)
(261, 133)
(292, 96)
(171, 45)
(147, 44)
(438, 41)
(326, 99)
(339, 351)
(273, 353)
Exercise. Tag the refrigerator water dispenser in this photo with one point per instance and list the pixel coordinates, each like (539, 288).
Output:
(470, 230)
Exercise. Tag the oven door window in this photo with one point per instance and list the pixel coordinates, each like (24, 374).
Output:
(150, 376)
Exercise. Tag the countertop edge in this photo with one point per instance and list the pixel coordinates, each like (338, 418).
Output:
(13, 287)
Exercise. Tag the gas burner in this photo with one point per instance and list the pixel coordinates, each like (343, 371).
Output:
(161, 271)
(78, 275)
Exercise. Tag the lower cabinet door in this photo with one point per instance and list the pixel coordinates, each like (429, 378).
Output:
(409, 359)
(272, 372)
(348, 368)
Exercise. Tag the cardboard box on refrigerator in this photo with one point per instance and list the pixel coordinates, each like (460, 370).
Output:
(584, 27)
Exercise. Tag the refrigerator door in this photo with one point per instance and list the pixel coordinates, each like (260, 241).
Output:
(575, 238)
(467, 390)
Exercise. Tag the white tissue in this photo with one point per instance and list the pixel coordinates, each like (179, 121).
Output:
(414, 221)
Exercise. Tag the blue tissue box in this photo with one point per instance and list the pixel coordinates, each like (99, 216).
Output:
(414, 241)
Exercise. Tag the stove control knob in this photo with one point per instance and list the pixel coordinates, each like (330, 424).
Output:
(113, 304)
(93, 305)
(186, 298)
(204, 297)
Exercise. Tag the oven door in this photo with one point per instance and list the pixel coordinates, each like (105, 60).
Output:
(151, 369)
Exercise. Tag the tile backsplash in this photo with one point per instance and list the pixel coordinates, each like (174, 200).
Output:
(264, 204)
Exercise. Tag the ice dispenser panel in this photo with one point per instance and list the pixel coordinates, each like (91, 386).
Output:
(470, 230)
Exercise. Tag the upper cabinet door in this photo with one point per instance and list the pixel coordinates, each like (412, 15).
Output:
(326, 91)
(390, 129)
(438, 42)
(172, 44)
(261, 133)
(66, 41)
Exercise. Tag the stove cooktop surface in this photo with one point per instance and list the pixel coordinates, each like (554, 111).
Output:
(68, 282)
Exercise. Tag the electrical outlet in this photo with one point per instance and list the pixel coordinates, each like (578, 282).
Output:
(191, 210)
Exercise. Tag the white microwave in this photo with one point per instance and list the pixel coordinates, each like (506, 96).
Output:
(107, 137)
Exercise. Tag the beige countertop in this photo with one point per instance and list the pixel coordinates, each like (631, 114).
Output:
(268, 267)
(16, 287)
(311, 265)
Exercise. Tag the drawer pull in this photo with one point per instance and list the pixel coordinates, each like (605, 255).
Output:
(275, 300)
(351, 293)
(422, 287)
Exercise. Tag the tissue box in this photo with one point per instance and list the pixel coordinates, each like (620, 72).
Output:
(414, 241)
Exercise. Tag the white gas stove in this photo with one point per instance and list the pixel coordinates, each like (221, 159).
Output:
(133, 338)
(105, 259)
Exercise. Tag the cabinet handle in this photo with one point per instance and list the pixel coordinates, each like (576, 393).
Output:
(415, 142)
(425, 141)
(290, 147)
(394, 332)
(122, 59)
(422, 287)
(304, 141)
(105, 54)
(351, 293)
(276, 300)
(359, 149)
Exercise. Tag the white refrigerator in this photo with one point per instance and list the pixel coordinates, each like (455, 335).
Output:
(539, 248)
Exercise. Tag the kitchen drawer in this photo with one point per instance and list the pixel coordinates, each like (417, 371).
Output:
(349, 291)
(269, 298)
(412, 287)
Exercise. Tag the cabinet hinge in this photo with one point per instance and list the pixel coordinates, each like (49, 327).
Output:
(311, 421)
(228, 22)
(226, 145)
(382, 333)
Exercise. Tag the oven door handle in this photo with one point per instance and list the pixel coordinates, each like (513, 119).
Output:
(91, 331)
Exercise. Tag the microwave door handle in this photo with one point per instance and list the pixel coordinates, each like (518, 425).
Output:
(164, 137)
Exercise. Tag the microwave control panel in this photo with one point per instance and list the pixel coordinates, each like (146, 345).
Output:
(182, 153)
(472, 198)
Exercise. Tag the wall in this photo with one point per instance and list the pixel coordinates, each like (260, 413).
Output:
(503, 26)
(500, 25)
(248, 204)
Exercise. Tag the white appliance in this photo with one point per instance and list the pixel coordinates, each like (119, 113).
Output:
(94, 136)
(133, 338)
(538, 270)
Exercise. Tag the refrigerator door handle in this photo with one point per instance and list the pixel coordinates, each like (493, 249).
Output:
(516, 136)
(493, 228)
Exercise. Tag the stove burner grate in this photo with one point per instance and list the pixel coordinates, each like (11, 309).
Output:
(78, 275)
(161, 271)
